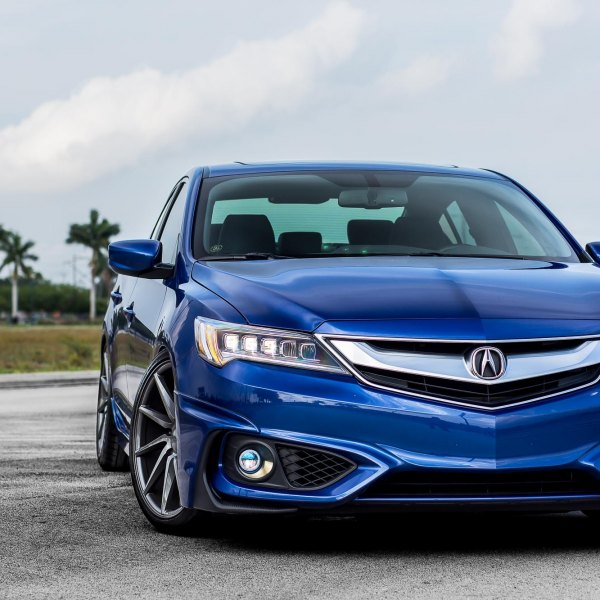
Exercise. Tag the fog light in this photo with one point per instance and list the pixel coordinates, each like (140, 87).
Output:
(254, 463)
(249, 461)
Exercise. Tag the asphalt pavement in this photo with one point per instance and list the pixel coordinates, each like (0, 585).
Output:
(68, 530)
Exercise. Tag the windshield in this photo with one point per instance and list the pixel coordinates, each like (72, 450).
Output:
(355, 213)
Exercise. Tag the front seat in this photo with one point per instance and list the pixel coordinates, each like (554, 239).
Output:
(297, 243)
(369, 232)
(241, 234)
(419, 231)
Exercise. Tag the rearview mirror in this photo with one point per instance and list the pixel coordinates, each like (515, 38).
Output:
(138, 258)
(373, 198)
(593, 249)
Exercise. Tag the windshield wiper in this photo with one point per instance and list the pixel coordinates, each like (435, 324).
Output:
(440, 254)
(247, 256)
(503, 256)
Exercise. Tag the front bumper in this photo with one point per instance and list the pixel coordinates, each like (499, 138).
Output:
(381, 433)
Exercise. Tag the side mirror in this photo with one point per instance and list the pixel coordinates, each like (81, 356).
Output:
(593, 249)
(138, 258)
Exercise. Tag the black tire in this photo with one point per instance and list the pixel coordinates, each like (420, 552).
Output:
(111, 457)
(154, 469)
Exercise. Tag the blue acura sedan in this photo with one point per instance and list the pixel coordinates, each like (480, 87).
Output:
(333, 338)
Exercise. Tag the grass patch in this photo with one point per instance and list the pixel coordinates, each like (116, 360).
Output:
(25, 349)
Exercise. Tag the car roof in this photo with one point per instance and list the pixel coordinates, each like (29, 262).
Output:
(241, 168)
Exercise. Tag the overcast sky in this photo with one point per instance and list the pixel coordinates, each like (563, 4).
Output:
(105, 103)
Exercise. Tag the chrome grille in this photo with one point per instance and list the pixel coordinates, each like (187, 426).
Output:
(481, 394)
(441, 370)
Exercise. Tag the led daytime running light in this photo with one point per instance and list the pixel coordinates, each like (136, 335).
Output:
(219, 343)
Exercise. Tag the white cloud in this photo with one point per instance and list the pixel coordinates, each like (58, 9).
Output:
(114, 122)
(421, 75)
(519, 44)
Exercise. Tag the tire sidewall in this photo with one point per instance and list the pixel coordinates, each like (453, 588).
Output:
(109, 454)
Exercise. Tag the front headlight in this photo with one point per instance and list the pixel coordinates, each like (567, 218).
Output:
(219, 343)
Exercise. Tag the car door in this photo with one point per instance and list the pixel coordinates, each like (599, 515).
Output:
(149, 294)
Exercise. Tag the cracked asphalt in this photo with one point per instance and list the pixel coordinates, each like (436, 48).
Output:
(68, 530)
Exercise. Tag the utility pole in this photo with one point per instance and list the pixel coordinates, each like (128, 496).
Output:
(76, 273)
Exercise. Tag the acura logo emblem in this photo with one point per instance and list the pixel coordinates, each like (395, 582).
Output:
(487, 362)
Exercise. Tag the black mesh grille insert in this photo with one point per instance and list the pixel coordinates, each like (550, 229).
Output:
(483, 484)
(480, 394)
(307, 468)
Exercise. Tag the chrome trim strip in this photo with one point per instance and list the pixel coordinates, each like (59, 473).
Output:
(481, 341)
(455, 367)
(325, 340)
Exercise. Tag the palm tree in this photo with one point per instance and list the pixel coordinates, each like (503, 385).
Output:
(16, 255)
(95, 235)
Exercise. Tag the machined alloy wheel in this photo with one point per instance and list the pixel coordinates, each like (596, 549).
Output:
(111, 456)
(153, 454)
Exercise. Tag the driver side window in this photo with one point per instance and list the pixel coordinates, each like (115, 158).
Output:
(171, 227)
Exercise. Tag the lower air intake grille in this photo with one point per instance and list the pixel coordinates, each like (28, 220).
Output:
(483, 484)
(309, 469)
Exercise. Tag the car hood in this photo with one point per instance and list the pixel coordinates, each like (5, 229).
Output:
(456, 297)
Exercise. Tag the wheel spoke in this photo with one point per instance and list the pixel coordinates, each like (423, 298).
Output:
(169, 479)
(157, 470)
(163, 439)
(157, 417)
(165, 396)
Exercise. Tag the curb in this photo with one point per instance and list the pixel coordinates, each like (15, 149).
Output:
(53, 379)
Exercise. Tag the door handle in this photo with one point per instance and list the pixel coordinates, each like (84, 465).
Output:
(129, 313)
(116, 296)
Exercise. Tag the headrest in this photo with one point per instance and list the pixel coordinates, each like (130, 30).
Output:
(296, 243)
(246, 233)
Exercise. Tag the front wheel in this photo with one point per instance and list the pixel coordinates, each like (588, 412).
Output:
(153, 450)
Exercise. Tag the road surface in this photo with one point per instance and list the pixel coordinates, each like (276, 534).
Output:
(68, 530)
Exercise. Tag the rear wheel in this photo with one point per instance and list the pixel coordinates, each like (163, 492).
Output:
(111, 456)
(153, 454)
